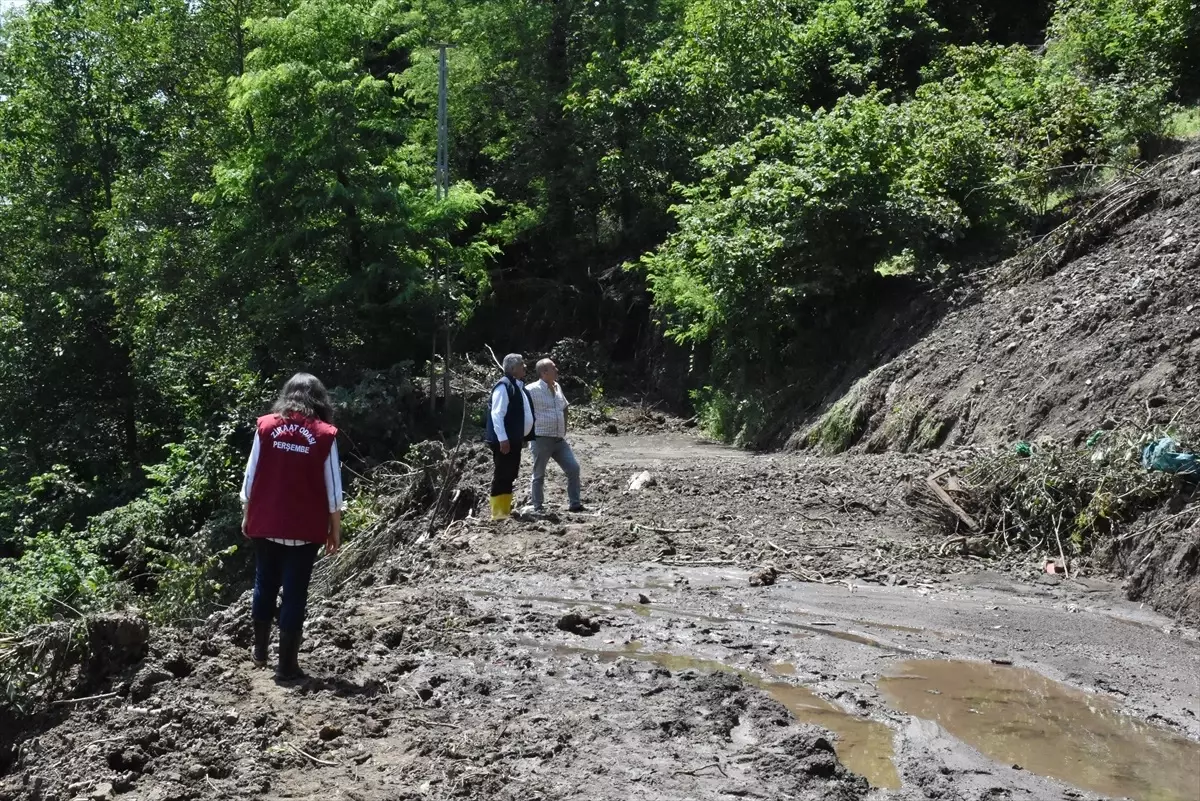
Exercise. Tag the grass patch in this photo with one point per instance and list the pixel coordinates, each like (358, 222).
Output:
(1185, 124)
(845, 422)
(726, 417)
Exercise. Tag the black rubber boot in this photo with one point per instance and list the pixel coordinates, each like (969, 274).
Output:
(262, 641)
(289, 651)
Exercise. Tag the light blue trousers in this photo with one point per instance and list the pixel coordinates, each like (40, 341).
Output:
(545, 449)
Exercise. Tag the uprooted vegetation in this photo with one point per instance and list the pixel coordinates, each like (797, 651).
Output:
(1090, 509)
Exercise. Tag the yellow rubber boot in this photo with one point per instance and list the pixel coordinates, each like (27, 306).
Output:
(501, 506)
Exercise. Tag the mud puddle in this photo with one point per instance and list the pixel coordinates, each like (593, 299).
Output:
(864, 746)
(1019, 717)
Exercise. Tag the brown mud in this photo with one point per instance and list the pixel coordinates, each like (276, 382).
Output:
(870, 666)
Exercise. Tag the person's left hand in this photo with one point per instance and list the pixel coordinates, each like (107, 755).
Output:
(333, 543)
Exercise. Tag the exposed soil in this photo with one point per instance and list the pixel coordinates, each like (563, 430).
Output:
(1113, 335)
(1110, 338)
(624, 653)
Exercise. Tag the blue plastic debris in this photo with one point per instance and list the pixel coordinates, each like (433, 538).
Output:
(1165, 456)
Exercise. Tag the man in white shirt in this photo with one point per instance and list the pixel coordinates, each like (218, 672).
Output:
(509, 427)
(550, 436)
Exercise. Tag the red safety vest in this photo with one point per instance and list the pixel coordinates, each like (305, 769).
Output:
(288, 498)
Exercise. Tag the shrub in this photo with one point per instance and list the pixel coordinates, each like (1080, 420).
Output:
(58, 575)
(807, 207)
(170, 543)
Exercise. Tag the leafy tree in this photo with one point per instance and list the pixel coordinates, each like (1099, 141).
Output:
(806, 207)
(326, 210)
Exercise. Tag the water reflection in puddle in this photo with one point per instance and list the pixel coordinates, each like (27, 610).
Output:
(1017, 716)
(864, 746)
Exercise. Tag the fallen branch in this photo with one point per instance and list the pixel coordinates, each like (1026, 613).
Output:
(426, 721)
(639, 526)
(433, 515)
(1061, 555)
(945, 498)
(951, 542)
(712, 563)
(497, 361)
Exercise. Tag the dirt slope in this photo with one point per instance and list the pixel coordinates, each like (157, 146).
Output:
(1109, 339)
(1112, 335)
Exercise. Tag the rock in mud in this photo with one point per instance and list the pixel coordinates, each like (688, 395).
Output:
(641, 481)
(765, 577)
(578, 624)
(145, 681)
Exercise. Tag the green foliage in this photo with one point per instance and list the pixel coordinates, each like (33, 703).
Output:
(186, 583)
(334, 191)
(788, 209)
(733, 64)
(378, 411)
(1128, 41)
(726, 418)
(1185, 124)
(842, 424)
(805, 208)
(170, 542)
(195, 199)
(58, 575)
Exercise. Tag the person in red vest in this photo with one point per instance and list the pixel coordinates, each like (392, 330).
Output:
(292, 505)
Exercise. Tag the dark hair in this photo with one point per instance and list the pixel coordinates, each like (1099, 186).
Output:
(304, 394)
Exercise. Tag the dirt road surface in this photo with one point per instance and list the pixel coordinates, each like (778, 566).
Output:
(743, 626)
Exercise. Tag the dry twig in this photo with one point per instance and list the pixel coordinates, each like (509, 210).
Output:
(716, 765)
(66, 701)
(311, 757)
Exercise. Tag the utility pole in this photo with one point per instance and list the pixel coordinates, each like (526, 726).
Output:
(442, 179)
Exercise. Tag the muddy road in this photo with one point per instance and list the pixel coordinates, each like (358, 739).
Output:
(741, 626)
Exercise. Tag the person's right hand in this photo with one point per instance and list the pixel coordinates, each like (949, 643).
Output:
(505, 447)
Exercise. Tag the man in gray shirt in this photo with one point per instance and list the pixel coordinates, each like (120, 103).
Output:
(550, 436)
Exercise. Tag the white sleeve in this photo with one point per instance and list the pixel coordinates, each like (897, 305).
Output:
(333, 480)
(499, 409)
(251, 466)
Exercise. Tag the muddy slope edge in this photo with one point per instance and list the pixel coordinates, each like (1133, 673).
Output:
(1110, 337)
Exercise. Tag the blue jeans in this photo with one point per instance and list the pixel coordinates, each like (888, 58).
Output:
(282, 566)
(545, 449)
